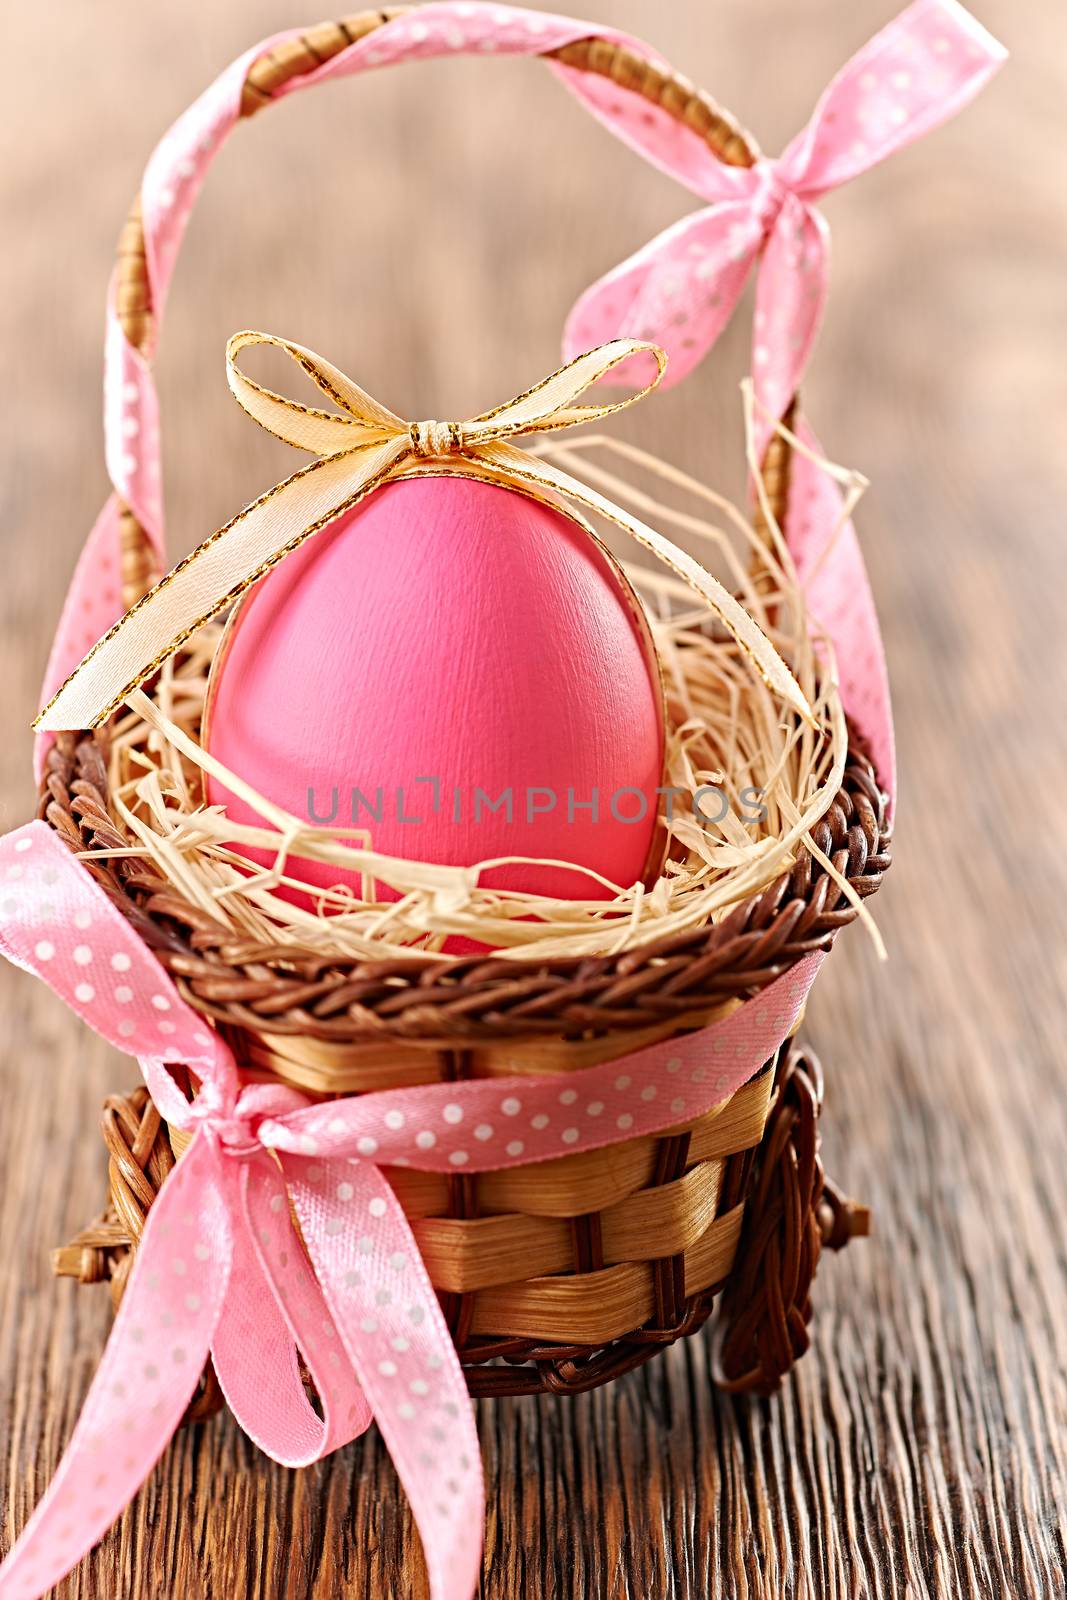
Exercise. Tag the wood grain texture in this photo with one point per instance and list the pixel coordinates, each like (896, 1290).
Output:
(427, 229)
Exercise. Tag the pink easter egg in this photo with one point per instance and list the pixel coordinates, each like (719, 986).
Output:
(442, 646)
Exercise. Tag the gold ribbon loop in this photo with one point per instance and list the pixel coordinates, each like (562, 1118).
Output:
(360, 446)
(363, 419)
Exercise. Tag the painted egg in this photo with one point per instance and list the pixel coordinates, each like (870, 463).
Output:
(459, 669)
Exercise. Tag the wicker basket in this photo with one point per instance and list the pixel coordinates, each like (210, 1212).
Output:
(624, 1249)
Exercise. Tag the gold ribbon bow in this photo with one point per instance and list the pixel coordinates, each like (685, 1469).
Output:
(357, 450)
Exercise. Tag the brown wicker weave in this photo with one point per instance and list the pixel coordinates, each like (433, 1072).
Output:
(624, 1249)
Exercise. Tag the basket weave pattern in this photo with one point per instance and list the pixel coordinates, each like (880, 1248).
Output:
(623, 1249)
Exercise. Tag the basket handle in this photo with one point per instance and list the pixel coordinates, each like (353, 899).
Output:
(794, 1211)
(936, 53)
(277, 68)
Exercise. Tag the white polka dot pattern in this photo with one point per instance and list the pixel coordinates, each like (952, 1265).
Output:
(680, 290)
(55, 921)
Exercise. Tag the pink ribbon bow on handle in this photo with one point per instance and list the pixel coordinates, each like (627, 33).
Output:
(681, 289)
(221, 1268)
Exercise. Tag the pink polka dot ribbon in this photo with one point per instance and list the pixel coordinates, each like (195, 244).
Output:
(681, 289)
(221, 1269)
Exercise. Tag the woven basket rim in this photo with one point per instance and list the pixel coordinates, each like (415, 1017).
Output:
(452, 1002)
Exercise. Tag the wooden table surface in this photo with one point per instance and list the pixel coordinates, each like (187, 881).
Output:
(428, 230)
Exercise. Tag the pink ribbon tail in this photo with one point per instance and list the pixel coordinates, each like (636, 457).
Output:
(149, 1372)
(685, 284)
(275, 1314)
(390, 1324)
(837, 593)
(791, 287)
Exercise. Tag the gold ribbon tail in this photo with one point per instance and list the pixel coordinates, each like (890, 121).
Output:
(358, 447)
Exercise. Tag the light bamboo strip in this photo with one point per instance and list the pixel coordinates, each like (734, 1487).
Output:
(463, 1256)
(594, 1307)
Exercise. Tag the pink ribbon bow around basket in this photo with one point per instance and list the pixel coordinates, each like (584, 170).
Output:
(221, 1267)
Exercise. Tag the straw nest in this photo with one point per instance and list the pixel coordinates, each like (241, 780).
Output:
(724, 729)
